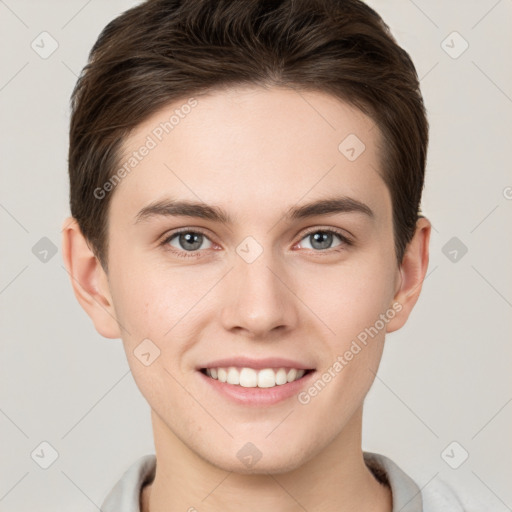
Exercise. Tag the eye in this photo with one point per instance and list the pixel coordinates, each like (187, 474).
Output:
(321, 239)
(189, 242)
(185, 241)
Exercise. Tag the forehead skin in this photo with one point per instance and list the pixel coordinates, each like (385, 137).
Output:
(256, 152)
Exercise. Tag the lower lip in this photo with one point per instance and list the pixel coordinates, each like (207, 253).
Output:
(258, 396)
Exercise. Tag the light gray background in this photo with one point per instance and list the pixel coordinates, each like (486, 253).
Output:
(444, 377)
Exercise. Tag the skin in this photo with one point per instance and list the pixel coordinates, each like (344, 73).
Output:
(254, 152)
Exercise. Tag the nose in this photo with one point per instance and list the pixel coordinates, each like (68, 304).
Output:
(259, 299)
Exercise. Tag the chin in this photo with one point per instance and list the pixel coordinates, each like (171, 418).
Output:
(250, 460)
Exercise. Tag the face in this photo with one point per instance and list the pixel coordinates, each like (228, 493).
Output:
(250, 277)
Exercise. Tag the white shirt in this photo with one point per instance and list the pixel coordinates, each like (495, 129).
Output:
(437, 496)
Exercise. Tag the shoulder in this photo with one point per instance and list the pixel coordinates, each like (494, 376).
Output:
(439, 496)
(435, 496)
(125, 495)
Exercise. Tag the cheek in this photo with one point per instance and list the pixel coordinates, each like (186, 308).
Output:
(142, 307)
(351, 299)
(150, 309)
(357, 308)
(166, 306)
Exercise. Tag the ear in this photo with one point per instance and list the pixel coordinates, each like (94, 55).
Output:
(411, 274)
(89, 280)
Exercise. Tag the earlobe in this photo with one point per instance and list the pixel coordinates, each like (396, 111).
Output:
(412, 273)
(88, 279)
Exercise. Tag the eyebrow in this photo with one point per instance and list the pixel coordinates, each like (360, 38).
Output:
(175, 208)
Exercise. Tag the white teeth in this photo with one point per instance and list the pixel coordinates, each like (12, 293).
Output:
(266, 378)
(233, 376)
(291, 375)
(248, 377)
(222, 375)
(251, 378)
(281, 377)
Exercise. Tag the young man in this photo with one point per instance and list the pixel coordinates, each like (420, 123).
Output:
(245, 188)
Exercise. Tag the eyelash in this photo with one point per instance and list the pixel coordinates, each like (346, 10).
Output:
(345, 241)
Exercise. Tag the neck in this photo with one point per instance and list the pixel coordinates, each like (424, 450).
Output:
(335, 480)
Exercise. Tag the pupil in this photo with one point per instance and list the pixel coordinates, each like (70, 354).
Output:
(323, 239)
(188, 238)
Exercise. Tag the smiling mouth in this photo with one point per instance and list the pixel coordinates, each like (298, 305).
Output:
(252, 378)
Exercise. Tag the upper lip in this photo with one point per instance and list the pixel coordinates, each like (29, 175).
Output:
(257, 364)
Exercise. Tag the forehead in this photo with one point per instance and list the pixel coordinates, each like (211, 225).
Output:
(254, 149)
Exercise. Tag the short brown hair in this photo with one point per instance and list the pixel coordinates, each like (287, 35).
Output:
(166, 50)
